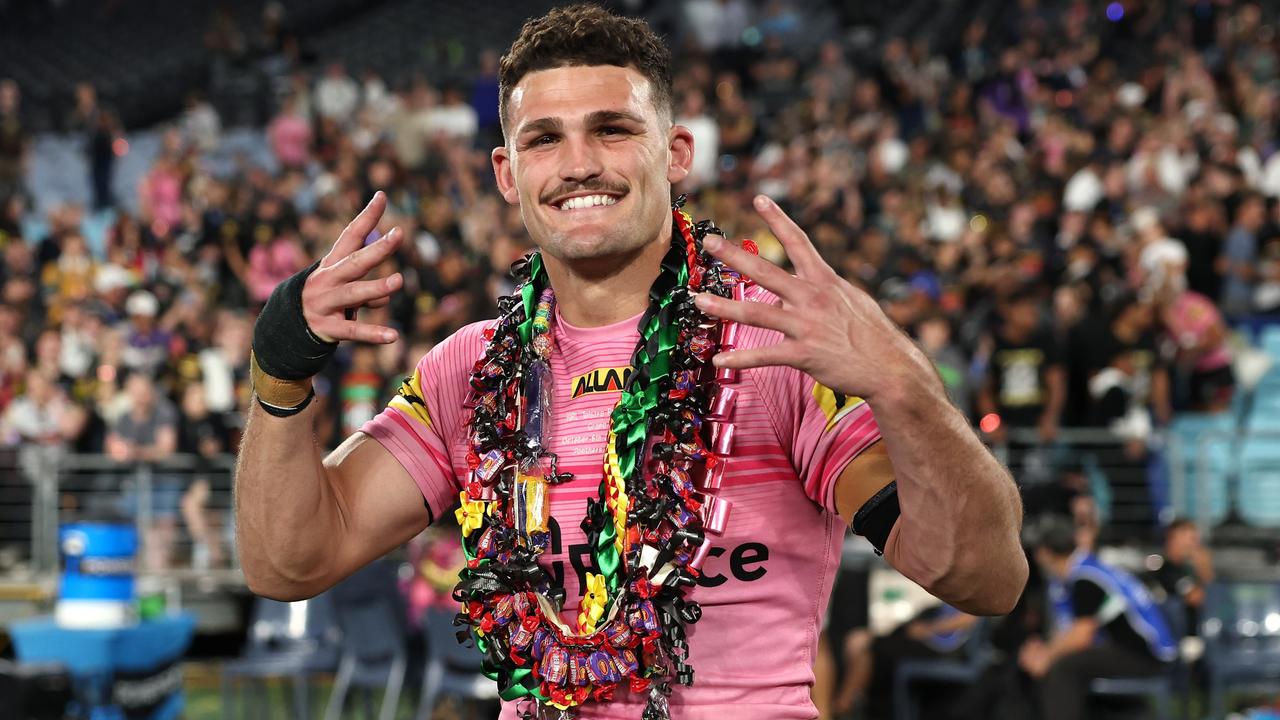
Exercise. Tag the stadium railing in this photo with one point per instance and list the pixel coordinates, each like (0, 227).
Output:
(1205, 468)
(42, 487)
(1214, 475)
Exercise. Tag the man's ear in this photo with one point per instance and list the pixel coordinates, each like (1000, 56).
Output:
(501, 158)
(681, 146)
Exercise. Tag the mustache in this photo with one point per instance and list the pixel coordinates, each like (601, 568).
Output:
(596, 186)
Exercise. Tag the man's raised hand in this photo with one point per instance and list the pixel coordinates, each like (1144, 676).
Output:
(831, 330)
(336, 289)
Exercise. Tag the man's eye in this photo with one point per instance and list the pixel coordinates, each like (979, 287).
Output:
(612, 130)
(544, 140)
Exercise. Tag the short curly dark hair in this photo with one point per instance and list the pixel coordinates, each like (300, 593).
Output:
(586, 34)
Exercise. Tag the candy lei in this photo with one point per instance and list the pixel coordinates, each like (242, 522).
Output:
(650, 530)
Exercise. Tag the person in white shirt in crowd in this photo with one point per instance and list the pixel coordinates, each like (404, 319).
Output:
(337, 95)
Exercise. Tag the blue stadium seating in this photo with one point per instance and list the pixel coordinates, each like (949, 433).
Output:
(1260, 479)
(286, 640)
(1202, 454)
(966, 671)
(452, 669)
(370, 611)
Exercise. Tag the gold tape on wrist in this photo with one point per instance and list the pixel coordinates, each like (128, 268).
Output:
(274, 391)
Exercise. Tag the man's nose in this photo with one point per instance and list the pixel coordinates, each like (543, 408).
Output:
(581, 160)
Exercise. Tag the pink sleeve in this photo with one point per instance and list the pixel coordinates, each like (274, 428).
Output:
(423, 424)
(821, 430)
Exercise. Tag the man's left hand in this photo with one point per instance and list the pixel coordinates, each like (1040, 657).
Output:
(1034, 658)
(832, 330)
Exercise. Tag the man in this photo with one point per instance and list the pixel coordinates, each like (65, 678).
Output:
(590, 157)
(148, 433)
(1238, 262)
(1185, 569)
(1105, 625)
(1026, 384)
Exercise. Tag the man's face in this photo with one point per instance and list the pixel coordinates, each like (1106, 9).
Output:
(1181, 542)
(590, 161)
(139, 391)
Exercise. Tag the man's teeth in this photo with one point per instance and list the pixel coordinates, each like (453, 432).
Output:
(587, 201)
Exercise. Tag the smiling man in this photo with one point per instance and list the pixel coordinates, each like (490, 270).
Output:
(656, 447)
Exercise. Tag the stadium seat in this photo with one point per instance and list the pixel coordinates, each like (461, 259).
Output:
(370, 613)
(1269, 339)
(1265, 414)
(1201, 462)
(286, 640)
(1260, 478)
(977, 655)
(452, 669)
(1241, 629)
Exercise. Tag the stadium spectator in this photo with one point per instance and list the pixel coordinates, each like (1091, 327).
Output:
(1240, 256)
(337, 96)
(41, 422)
(146, 343)
(202, 435)
(147, 433)
(290, 135)
(1185, 569)
(706, 138)
(1025, 384)
(1104, 624)
(99, 128)
(934, 334)
(200, 123)
(452, 119)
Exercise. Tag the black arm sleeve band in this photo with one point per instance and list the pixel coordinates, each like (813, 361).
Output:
(284, 346)
(875, 519)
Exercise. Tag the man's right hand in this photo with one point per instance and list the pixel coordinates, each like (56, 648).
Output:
(338, 285)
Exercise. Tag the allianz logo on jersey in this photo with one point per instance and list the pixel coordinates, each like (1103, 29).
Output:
(600, 380)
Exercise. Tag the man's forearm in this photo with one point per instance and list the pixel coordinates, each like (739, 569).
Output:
(1072, 640)
(287, 523)
(958, 534)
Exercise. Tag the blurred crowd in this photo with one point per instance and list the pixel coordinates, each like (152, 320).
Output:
(1067, 206)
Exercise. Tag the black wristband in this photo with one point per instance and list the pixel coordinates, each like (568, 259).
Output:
(280, 412)
(283, 344)
(876, 518)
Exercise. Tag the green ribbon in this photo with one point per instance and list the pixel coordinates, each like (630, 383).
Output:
(629, 420)
(529, 297)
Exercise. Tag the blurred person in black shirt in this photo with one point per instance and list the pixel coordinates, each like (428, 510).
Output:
(1026, 379)
(1123, 363)
(202, 434)
(1185, 568)
(1203, 237)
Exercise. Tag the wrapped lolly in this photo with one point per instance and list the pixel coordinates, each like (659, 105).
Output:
(531, 505)
(538, 390)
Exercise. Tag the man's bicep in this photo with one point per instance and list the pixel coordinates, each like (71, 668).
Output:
(1087, 598)
(381, 506)
(866, 494)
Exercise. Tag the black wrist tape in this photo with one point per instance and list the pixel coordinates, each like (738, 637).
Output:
(876, 518)
(282, 343)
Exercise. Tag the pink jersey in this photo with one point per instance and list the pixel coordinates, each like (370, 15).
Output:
(765, 584)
